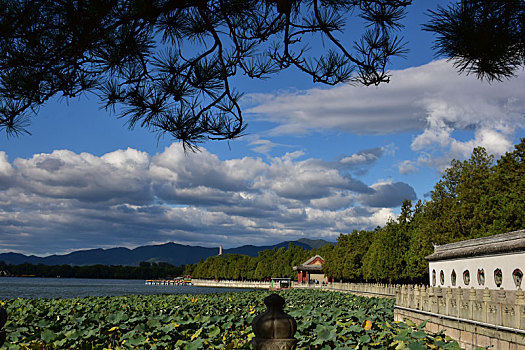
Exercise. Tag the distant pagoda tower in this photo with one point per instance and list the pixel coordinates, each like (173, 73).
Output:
(220, 249)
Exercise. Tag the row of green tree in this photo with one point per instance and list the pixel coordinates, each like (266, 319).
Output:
(145, 270)
(476, 197)
(269, 263)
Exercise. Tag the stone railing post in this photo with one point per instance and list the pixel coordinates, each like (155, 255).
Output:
(417, 297)
(432, 299)
(471, 303)
(502, 296)
(398, 295)
(402, 296)
(508, 311)
(410, 293)
(424, 299)
(463, 305)
(486, 304)
(478, 307)
(3, 320)
(459, 300)
(274, 329)
(448, 302)
(441, 306)
(520, 306)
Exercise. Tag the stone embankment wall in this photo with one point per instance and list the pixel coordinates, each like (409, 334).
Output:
(475, 318)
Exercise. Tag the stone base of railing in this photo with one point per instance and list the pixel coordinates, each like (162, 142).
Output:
(468, 333)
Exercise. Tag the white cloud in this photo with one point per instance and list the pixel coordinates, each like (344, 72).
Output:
(432, 101)
(334, 202)
(119, 175)
(363, 157)
(360, 162)
(263, 146)
(6, 171)
(407, 167)
(62, 201)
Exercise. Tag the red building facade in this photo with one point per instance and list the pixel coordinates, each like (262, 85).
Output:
(311, 271)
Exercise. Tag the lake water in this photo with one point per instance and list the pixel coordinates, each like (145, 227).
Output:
(20, 287)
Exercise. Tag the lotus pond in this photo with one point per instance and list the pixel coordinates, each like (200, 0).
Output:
(325, 320)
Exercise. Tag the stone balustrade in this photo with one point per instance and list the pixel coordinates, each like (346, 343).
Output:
(231, 284)
(365, 289)
(495, 307)
(474, 317)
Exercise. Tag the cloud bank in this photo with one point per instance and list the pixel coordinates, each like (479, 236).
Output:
(63, 201)
(432, 101)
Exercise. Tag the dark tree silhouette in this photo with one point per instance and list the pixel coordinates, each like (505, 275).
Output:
(167, 64)
(484, 37)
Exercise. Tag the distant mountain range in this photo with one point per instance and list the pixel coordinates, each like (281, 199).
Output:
(172, 253)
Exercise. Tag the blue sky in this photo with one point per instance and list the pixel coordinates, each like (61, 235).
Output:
(317, 161)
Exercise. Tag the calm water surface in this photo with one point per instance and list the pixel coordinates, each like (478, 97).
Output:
(20, 287)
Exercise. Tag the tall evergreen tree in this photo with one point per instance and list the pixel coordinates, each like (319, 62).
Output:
(506, 198)
(484, 37)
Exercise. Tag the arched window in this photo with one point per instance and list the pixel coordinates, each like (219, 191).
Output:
(481, 277)
(453, 278)
(434, 278)
(498, 277)
(442, 277)
(466, 277)
(517, 275)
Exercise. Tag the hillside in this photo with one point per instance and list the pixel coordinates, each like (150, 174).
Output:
(172, 253)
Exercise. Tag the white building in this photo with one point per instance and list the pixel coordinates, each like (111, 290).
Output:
(493, 262)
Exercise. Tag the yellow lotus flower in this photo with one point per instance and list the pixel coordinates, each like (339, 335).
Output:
(367, 325)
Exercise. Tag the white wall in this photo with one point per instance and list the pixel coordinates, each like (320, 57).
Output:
(318, 276)
(506, 262)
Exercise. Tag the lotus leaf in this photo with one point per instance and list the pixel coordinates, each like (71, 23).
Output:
(325, 320)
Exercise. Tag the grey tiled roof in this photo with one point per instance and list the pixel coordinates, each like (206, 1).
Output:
(491, 245)
(306, 265)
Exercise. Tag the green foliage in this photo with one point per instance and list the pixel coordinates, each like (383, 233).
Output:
(269, 263)
(345, 260)
(506, 201)
(455, 211)
(385, 259)
(474, 198)
(145, 270)
(325, 320)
